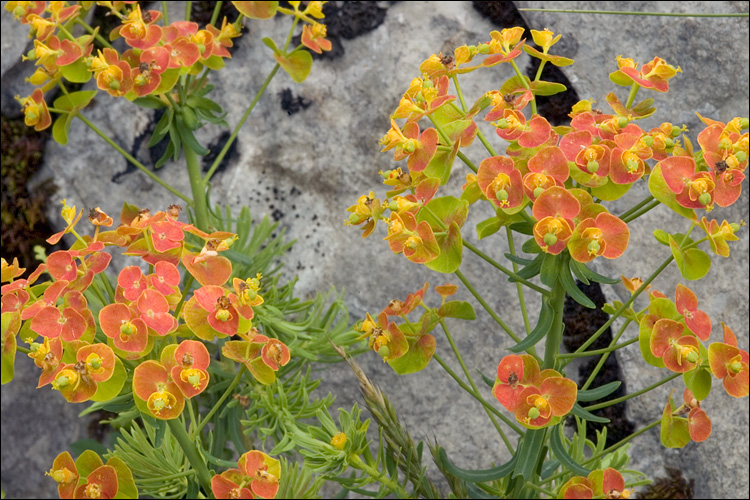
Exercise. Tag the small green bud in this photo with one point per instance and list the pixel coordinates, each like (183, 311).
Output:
(62, 381)
(592, 166)
(632, 166)
(550, 239)
(676, 131)
(393, 205)
(725, 143)
(744, 123)
(386, 173)
(409, 146)
(669, 143)
(741, 156)
(735, 367)
(19, 11)
(483, 48)
(501, 194)
(648, 140)
(114, 85)
(384, 352)
(139, 81)
(533, 413)
(735, 227)
(31, 115)
(692, 357)
(704, 199)
(201, 48)
(194, 379)
(427, 84)
(354, 219)
(538, 191)
(594, 247)
(502, 123)
(622, 122)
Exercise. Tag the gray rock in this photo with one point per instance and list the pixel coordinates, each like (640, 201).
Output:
(307, 168)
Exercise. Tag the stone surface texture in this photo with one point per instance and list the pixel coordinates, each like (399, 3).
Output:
(305, 169)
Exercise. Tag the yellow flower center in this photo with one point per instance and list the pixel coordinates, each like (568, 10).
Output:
(338, 441)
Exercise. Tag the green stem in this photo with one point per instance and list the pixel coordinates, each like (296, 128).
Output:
(478, 397)
(631, 96)
(486, 143)
(468, 376)
(505, 270)
(622, 309)
(188, 8)
(540, 489)
(653, 204)
(459, 93)
(554, 337)
(356, 462)
(197, 186)
(637, 206)
(188, 447)
(22, 349)
(97, 37)
(236, 130)
(632, 395)
(165, 12)
(596, 352)
(522, 79)
(487, 308)
(519, 288)
(467, 161)
(132, 160)
(215, 15)
(196, 432)
(602, 360)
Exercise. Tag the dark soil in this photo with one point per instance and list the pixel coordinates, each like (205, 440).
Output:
(673, 486)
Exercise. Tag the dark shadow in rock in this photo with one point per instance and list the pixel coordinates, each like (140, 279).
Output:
(346, 21)
(580, 324)
(291, 103)
(554, 108)
(201, 13)
(215, 148)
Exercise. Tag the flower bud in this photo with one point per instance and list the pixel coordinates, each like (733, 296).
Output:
(594, 247)
(741, 156)
(383, 352)
(501, 194)
(502, 123)
(592, 166)
(648, 140)
(338, 441)
(735, 367)
(622, 122)
(550, 239)
(533, 413)
(675, 131)
(692, 357)
(223, 315)
(735, 227)
(354, 219)
(744, 123)
(114, 85)
(704, 198)
(538, 191)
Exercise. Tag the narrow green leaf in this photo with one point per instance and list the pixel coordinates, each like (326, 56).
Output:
(145, 102)
(476, 476)
(575, 266)
(593, 276)
(543, 325)
(550, 269)
(586, 415)
(557, 447)
(566, 280)
(517, 259)
(189, 139)
(527, 452)
(532, 269)
(598, 393)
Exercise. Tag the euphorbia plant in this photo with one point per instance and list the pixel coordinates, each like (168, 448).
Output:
(552, 186)
(197, 330)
